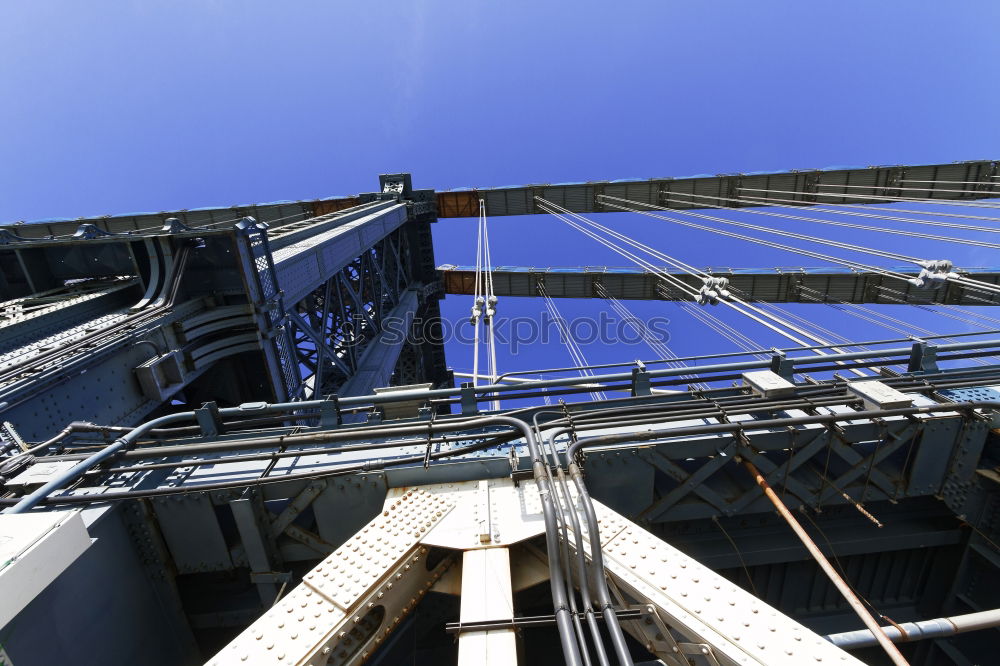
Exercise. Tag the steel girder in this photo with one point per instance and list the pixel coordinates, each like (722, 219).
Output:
(855, 462)
(775, 285)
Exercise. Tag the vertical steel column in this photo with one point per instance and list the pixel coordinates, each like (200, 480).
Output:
(487, 596)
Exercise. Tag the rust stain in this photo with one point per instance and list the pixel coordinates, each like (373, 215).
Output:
(459, 282)
(333, 205)
(458, 204)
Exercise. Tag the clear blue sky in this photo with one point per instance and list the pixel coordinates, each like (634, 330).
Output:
(111, 107)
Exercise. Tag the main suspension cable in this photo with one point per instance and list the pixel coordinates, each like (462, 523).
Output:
(932, 271)
(881, 199)
(864, 227)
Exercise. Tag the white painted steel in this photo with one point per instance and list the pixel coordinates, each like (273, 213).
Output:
(487, 596)
(703, 609)
(35, 548)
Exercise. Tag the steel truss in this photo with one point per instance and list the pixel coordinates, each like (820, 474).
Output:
(333, 325)
(689, 615)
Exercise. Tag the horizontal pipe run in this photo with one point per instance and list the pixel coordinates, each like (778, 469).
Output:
(742, 404)
(592, 441)
(69, 476)
(916, 631)
(767, 424)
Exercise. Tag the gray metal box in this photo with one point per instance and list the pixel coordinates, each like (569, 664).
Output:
(877, 395)
(768, 384)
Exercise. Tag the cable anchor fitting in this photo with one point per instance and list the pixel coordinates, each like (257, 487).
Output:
(933, 273)
(712, 290)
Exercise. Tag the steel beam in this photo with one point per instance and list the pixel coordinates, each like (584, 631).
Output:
(876, 182)
(774, 285)
(703, 615)
(304, 265)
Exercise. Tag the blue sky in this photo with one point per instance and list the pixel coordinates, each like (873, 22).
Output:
(112, 107)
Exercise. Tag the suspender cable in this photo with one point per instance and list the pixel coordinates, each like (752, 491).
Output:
(637, 325)
(477, 299)
(484, 303)
(579, 360)
(491, 303)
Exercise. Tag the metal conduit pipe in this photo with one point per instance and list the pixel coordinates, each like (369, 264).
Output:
(598, 581)
(567, 508)
(824, 564)
(657, 414)
(838, 366)
(597, 560)
(916, 631)
(607, 439)
(484, 389)
(764, 424)
(68, 476)
(369, 466)
(576, 475)
(276, 455)
(583, 418)
(571, 651)
(159, 450)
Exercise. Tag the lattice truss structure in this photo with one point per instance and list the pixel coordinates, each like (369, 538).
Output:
(244, 418)
(333, 324)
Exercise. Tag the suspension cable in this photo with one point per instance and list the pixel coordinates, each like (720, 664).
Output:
(931, 269)
(779, 326)
(947, 239)
(910, 189)
(882, 199)
(885, 254)
(794, 203)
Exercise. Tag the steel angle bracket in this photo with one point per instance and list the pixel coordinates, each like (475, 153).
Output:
(709, 618)
(349, 604)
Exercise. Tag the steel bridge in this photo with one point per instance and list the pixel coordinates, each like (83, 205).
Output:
(223, 429)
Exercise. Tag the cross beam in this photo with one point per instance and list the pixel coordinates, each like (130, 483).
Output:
(772, 285)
